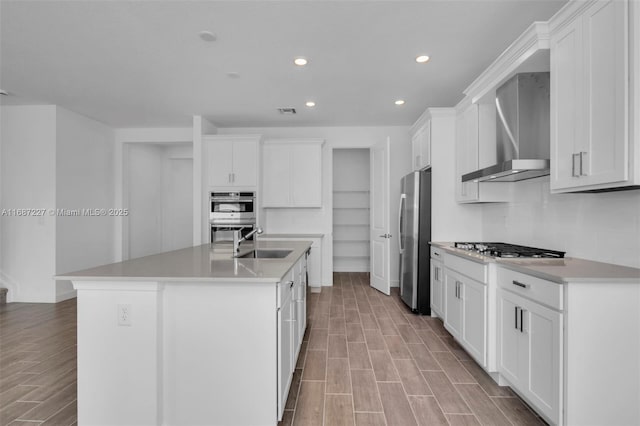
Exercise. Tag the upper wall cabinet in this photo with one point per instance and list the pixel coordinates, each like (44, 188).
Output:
(292, 173)
(232, 160)
(421, 144)
(475, 134)
(593, 48)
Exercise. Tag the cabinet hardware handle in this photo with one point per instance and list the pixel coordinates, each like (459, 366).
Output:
(435, 253)
(290, 284)
(521, 314)
(515, 309)
(519, 284)
(456, 289)
(573, 165)
(582, 155)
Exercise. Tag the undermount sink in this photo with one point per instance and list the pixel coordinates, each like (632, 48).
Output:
(266, 254)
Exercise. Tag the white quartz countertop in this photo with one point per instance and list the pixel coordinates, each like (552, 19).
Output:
(567, 270)
(205, 263)
(289, 236)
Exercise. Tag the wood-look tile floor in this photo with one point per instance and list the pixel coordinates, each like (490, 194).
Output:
(367, 360)
(38, 364)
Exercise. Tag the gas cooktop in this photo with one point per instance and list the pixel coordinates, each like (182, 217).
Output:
(508, 250)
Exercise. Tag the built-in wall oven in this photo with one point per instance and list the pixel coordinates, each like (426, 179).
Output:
(229, 212)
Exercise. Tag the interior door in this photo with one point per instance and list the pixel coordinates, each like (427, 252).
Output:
(380, 226)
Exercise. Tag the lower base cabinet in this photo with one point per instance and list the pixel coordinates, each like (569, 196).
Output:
(529, 351)
(437, 287)
(291, 320)
(466, 313)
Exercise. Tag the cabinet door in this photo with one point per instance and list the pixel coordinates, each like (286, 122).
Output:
(474, 319)
(276, 176)
(604, 154)
(306, 176)
(220, 155)
(453, 305)
(467, 153)
(512, 359)
(425, 146)
(542, 327)
(566, 103)
(285, 350)
(314, 264)
(416, 149)
(437, 287)
(245, 162)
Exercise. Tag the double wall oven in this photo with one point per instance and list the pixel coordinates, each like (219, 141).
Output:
(229, 212)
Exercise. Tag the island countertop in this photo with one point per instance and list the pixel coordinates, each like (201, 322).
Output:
(204, 263)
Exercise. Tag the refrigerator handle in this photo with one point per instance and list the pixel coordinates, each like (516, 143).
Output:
(403, 197)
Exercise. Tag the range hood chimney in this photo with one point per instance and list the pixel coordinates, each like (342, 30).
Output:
(522, 130)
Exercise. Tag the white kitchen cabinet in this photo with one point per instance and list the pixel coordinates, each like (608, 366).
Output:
(590, 103)
(565, 346)
(421, 145)
(292, 173)
(437, 283)
(291, 320)
(453, 304)
(286, 362)
(232, 160)
(530, 346)
(466, 313)
(475, 135)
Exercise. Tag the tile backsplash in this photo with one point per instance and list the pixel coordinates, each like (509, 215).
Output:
(604, 227)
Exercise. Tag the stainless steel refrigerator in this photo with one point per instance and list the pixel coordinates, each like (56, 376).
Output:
(415, 235)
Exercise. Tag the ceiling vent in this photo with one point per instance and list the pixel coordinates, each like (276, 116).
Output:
(287, 111)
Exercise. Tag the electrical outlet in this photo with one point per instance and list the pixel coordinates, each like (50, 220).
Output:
(124, 314)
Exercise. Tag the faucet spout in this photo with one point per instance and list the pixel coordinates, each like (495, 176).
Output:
(237, 238)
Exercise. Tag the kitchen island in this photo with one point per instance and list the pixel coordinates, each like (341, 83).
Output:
(192, 336)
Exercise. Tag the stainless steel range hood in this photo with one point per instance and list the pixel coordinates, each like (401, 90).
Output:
(522, 131)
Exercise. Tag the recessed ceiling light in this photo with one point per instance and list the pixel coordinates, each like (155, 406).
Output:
(422, 59)
(301, 62)
(233, 74)
(399, 102)
(310, 104)
(207, 36)
(4, 92)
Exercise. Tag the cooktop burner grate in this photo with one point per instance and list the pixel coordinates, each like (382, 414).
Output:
(508, 250)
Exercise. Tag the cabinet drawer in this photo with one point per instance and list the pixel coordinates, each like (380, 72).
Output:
(536, 289)
(437, 253)
(474, 270)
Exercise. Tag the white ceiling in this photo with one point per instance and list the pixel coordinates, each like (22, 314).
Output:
(141, 63)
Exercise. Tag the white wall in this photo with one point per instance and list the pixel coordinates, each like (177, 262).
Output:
(320, 220)
(604, 227)
(28, 180)
(84, 180)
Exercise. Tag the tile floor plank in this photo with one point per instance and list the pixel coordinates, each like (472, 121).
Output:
(339, 410)
(481, 405)
(449, 399)
(338, 378)
(412, 380)
(310, 408)
(370, 419)
(395, 404)
(365, 393)
(427, 411)
(383, 367)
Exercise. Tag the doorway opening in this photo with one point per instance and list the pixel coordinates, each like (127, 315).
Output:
(158, 191)
(351, 210)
